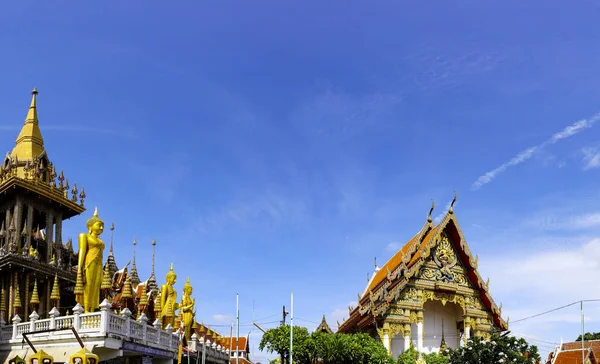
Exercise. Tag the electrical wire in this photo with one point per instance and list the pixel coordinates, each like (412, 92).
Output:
(553, 310)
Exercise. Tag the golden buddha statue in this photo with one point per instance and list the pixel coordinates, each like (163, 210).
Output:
(32, 251)
(89, 269)
(168, 300)
(187, 309)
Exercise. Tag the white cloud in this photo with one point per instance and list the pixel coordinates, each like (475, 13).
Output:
(534, 282)
(565, 274)
(591, 158)
(526, 154)
(570, 222)
(394, 246)
(338, 315)
(222, 319)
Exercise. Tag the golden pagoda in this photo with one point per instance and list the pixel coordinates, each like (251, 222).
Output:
(36, 199)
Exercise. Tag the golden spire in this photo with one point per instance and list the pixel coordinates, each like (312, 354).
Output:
(135, 279)
(95, 212)
(55, 294)
(29, 143)
(144, 298)
(127, 293)
(17, 303)
(35, 298)
(106, 281)
(153, 250)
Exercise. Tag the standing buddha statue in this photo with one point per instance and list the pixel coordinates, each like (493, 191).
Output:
(89, 270)
(168, 300)
(187, 309)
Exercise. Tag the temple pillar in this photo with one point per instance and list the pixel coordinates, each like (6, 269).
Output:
(29, 226)
(18, 211)
(49, 235)
(420, 331)
(386, 343)
(26, 303)
(11, 297)
(47, 296)
(406, 336)
(467, 329)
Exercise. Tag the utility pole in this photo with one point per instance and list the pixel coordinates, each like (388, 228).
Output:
(284, 314)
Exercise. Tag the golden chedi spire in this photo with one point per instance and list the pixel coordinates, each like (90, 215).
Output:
(17, 303)
(127, 293)
(35, 298)
(55, 294)
(29, 143)
(106, 281)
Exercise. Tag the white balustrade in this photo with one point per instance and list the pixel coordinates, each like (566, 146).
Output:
(96, 324)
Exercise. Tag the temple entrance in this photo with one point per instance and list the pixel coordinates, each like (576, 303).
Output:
(438, 317)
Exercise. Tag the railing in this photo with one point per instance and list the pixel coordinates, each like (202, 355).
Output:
(99, 324)
(95, 324)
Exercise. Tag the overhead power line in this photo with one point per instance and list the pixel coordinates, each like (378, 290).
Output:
(553, 310)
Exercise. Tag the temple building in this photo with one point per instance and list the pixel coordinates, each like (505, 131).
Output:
(429, 295)
(324, 327)
(68, 302)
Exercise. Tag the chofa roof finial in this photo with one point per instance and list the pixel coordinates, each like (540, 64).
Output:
(451, 210)
(429, 218)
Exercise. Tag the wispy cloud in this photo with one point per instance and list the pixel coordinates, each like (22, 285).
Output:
(526, 154)
(551, 221)
(264, 209)
(393, 246)
(340, 314)
(222, 319)
(591, 158)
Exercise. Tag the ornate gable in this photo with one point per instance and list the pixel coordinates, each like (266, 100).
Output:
(436, 264)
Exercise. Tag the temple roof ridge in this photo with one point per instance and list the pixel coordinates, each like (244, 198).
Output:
(29, 143)
(324, 327)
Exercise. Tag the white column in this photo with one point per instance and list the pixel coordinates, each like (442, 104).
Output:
(127, 314)
(386, 343)
(144, 320)
(407, 334)
(77, 311)
(105, 307)
(420, 336)
(32, 319)
(16, 320)
(54, 313)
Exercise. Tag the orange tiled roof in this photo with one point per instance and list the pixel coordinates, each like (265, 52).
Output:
(397, 259)
(574, 357)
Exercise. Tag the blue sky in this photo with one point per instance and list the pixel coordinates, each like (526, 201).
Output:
(272, 146)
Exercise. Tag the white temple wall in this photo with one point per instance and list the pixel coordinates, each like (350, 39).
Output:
(434, 313)
(398, 345)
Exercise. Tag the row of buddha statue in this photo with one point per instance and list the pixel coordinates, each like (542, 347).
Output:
(90, 273)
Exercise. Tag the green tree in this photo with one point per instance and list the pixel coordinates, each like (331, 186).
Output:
(500, 349)
(325, 348)
(278, 340)
(410, 356)
(589, 336)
